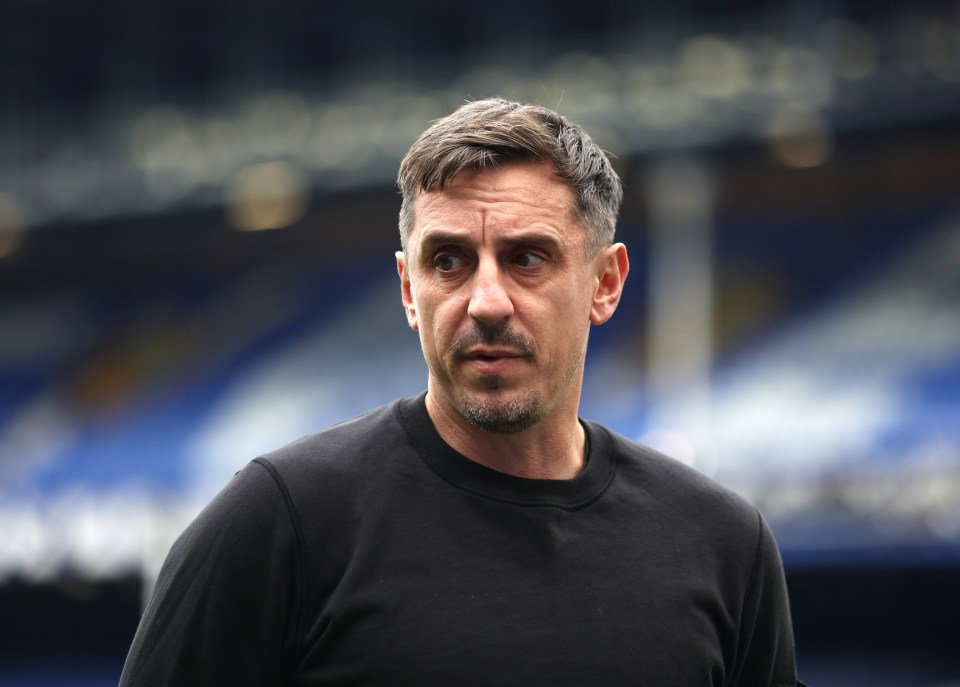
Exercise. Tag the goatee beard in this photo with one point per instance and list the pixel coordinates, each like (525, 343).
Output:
(510, 415)
(506, 417)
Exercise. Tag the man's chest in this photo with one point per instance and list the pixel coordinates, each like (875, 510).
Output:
(517, 606)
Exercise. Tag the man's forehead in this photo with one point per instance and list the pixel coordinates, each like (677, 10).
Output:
(522, 188)
(510, 171)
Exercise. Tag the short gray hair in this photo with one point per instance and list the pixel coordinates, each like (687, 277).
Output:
(494, 131)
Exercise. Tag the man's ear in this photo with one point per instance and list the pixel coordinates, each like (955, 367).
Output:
(406, 293)
(613, 266)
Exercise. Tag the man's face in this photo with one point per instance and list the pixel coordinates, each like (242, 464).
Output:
(496, 281)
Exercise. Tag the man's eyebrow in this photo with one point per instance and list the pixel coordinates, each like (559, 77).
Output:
(533, 237)
(431, 239)
(543, 239)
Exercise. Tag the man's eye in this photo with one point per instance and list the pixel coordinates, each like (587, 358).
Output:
(447, 262)
(528, 260)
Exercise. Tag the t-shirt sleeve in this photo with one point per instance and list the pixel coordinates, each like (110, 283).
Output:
(765, 646)
(224, 608)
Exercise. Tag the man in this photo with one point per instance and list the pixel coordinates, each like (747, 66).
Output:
(480, 534)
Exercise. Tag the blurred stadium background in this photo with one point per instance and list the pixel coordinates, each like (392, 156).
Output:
(197, 220)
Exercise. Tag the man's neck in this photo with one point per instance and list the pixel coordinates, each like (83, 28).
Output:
(551, 449)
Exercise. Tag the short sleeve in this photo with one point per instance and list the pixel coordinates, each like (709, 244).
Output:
(224, 608)
(765, 645)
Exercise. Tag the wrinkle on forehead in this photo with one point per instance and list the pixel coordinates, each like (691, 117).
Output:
(517, 182)
(527, 191)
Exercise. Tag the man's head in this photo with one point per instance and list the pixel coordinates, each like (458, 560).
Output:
(492, 132)
(507, 260)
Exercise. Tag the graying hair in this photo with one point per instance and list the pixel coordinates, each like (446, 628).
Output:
(494, 131)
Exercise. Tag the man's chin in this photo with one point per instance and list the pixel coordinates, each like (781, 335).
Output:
(501, 412)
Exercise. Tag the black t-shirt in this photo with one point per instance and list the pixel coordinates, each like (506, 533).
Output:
(374, 554)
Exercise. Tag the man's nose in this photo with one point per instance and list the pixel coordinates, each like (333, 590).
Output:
(490, 301)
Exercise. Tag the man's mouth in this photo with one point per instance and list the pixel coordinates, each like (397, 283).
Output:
(493, 353)
(492, 360)
(492, 350)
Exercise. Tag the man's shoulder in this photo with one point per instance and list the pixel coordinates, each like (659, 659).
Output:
(672, 481)
(340, 447)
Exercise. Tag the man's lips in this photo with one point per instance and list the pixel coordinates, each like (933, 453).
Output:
(493, 353)
(493, 359)
(488, 345)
